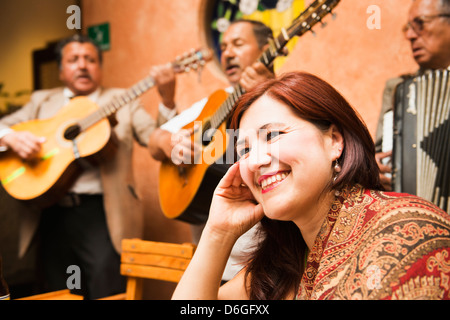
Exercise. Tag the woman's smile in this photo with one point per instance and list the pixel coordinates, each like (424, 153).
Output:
(268, 182)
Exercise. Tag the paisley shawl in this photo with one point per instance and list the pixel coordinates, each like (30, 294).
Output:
(379, 245)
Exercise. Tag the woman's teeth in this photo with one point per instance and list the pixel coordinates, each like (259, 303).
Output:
(269, 181)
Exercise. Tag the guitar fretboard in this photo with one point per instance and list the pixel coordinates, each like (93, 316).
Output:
(117, 102)
(192, 60)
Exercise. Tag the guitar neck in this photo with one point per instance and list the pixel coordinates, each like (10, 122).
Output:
(117, 103)
(192, 60)
(135, 91)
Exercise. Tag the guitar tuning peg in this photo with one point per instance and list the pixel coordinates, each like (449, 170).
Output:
(333, 16)
(319, 20)
(313, 33)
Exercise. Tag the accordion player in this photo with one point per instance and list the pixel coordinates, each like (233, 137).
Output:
(417, 131)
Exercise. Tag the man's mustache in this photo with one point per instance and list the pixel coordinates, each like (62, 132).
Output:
(83, 75)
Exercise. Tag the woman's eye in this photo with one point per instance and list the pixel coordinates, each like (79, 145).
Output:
(272, 134)
(243, 152)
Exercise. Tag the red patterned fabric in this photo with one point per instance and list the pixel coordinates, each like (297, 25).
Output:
(379, 245)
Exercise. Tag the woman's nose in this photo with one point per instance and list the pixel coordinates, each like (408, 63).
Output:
(258, 157)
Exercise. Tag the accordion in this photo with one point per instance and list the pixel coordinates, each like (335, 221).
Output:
(421, 137)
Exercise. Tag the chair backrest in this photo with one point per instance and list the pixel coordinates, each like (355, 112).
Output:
(142, 259)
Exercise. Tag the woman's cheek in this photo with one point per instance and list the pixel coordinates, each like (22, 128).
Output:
(246, 174)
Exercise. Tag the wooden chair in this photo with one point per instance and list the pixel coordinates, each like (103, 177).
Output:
(54, 295)
(140, 259)
(143, 259)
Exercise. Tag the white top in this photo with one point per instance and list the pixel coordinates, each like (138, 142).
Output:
(187, 116)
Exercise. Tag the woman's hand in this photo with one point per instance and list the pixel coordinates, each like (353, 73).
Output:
(233, 212)
(233, 209)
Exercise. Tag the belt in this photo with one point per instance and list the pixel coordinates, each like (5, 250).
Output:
(75, 199)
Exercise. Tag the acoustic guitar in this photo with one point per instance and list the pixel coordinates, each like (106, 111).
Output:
(80, 130)
(179, 186)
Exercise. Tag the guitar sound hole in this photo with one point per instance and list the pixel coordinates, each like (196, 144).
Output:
(72, 132)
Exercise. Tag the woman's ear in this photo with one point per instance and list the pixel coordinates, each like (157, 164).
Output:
(337, 142)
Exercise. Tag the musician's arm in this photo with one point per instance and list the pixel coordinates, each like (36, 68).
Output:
(380, 155)
(160, 144)
(23, 143)
(160, 140)
(143, 124)
(164, 76)
(165, 114)
(4, 132)
(385, 169)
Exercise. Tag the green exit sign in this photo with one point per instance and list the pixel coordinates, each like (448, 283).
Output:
(100, 34)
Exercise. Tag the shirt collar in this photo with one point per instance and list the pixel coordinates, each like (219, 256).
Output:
(68, 94)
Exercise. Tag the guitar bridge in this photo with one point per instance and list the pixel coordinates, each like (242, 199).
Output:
(76, 152)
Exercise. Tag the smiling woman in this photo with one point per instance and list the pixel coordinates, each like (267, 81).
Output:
(306, 167)
(307, 171)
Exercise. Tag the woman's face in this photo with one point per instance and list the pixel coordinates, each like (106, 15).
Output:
(284, 160)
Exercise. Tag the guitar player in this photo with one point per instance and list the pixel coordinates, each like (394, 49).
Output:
(242, 44)
(86, 226)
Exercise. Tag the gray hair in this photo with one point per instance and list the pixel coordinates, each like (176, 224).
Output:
(76, 38)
